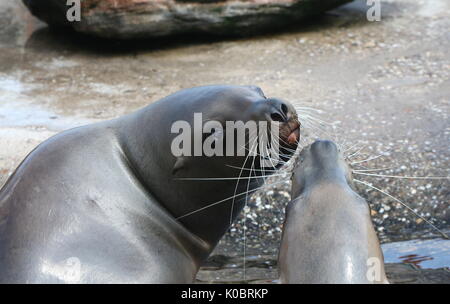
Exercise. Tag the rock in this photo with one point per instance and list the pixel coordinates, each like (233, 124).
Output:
(125, 19)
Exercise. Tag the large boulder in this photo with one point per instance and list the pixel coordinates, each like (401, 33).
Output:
(149, 18)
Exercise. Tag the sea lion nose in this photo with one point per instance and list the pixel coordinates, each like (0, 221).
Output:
(279, 110)
(324, 146)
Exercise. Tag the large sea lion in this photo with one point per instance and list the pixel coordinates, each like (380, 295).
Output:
(328, 235)
(110, 203)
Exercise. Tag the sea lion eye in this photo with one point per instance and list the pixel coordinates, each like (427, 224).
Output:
(285, 110)
(276, 117)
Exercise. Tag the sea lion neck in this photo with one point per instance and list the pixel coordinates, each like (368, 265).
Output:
(313, 177)
(187, 201)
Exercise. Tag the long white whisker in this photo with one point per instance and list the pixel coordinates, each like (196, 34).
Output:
(228, 198)
(403, 177)
(314, 126)
(266, 170)
(366, 160)
(405, 205)
(224, 178)
(355, 153)
(301, 108)
(271, 162)
(377, 169)
(267, 157)
(245, 219)
(237, 183)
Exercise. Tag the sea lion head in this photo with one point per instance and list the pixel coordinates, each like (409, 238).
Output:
(324, 201)
(206, 192)
(320, 162)
(227, 110)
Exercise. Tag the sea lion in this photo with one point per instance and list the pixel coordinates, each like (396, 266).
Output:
(107, 202)
(328, 235)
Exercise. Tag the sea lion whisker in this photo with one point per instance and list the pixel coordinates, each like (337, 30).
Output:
(282, 154)
(277, 137)
(376, 169)
(265, 156)
(301, 112)
(303, 141)
(315, 123)
(245, 218)
(307, 121)
(402, 177)
(266, 170)
(224, 178)
(262, 167)
(355, 153)
(346, 146)
(228, 198)
(214, 204)
(340, 146)
(267, 153)
(318, 130)
(315, 119)
(237, 183)
(278, 160)
(258, 154)
(350, 147)
(319, 121)
(368, 159)
(301, 108)
(405, 205)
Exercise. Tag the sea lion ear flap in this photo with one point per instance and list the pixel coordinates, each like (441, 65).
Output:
(258, 90)
(179, 165)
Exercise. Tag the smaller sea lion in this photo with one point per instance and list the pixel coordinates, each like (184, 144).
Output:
(328, 235)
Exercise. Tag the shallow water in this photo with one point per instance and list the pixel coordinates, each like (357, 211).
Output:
(16, 111)
(414, 261)
(424, 254)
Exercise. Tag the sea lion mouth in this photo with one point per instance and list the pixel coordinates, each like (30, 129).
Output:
(294, 137)
(292, 134)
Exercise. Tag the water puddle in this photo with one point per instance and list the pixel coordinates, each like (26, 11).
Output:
(424, 254)
(16, 111)
(414, 261)
(14, 114)
(432, 8)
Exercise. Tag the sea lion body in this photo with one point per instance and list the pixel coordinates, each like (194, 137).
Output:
(99, 203)
(328, 235)
(52, 219)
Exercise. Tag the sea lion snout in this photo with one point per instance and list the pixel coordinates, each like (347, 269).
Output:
(283, 112)
(320, 153)
(324, 148)
(320, 162)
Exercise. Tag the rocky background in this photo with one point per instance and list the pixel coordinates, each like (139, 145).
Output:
(126, 19)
